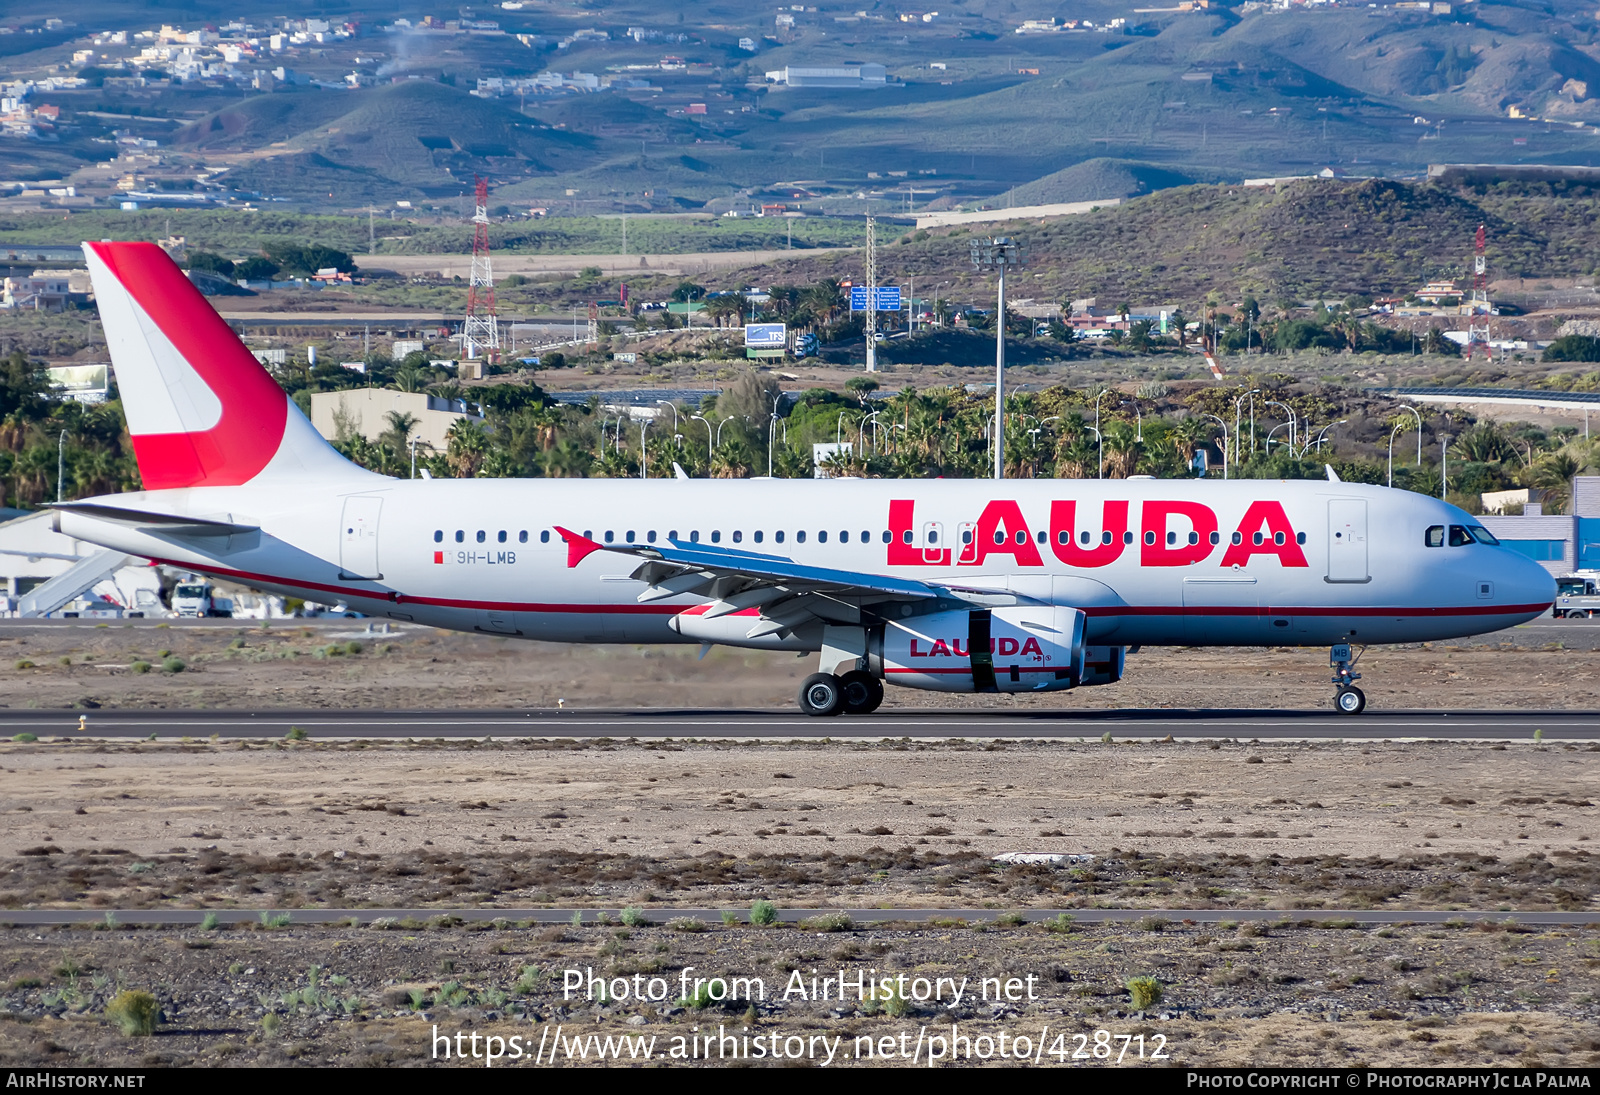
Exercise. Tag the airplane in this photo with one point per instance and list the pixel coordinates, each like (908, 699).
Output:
(946, 585)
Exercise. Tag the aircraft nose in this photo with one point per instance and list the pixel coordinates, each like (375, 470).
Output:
(1524, 582)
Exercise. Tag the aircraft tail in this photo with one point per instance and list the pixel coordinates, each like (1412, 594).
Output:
(201, 410)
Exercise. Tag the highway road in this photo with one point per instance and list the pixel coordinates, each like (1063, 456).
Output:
(783, 725)
(187, 917)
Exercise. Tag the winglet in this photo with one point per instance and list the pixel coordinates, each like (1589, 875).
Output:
(579, 548)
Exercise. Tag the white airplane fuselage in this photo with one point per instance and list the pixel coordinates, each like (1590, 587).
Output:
(483, 554)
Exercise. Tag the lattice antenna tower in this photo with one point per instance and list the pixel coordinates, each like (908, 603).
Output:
(481, 331)
(1478, 305)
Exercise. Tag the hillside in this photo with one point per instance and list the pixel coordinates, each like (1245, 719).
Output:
(400, 139)
(1300, 241)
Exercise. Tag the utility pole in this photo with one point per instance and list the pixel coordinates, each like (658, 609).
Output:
(872, 296)
(999, 253)
(61, 459)
(624, 235)
(372, 238)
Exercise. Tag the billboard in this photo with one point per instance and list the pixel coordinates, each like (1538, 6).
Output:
(888, 298)
(85, 383)
(766, 336)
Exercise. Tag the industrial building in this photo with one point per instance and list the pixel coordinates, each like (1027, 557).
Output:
(845, 76)
(365, 411)
(1561, 543)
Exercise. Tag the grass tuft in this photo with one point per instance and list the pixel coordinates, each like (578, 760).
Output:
(134, 1012)
(763, 913)
(1144, 992)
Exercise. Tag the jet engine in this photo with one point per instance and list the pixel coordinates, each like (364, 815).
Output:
(1022, 648)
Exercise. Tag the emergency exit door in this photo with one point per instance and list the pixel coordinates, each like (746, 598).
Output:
(1347, 540)
(358, 537)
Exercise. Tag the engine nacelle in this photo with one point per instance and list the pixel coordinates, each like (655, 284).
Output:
(733, 629)
(1023, 648)
(1102, 665)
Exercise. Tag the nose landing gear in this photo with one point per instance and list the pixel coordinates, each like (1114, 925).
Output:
(1347, 698)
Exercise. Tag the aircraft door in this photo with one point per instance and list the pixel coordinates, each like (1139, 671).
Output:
(1347, 540)
(933, 542)
(358, 537)
(968, 548)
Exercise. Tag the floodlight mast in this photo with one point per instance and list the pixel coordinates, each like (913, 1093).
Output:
(999, 253)
(872, 296)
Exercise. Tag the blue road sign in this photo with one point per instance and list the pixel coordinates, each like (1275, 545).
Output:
(888, 298)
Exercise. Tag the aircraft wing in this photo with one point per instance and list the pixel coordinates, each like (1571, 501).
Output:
(787, 594)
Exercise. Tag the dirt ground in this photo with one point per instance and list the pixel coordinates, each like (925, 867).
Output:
(287, 664)
(1489, 829)
(1245, 995)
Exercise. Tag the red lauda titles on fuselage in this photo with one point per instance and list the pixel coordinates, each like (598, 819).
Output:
(1171, 534)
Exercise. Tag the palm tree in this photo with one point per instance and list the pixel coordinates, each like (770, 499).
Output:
(468, 445)
(398, 434)
(1123, 450)
(1553, 474)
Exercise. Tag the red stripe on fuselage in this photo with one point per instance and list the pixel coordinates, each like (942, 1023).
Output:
(346, 593)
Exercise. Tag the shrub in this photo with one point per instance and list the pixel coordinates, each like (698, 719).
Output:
(271, 919)
(25, 737)
(686, 924)
(1060, 924)
(141, 667)
(1010, 919)
(271, 1023)
(24, 663)
(828, 922)
(703, 996)
(1144, 992)
(173, 665)
(729, 917)
(633, 917)
(209, 924)
(1106, 737)
(134, 1012)
(352, 647)
(297, 733)
(1152, 924)
(763, 913)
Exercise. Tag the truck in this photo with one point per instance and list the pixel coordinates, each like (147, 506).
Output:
(1577, 597)
(197, 599)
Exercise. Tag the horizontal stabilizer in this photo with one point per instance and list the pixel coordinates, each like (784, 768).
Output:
(164, 524)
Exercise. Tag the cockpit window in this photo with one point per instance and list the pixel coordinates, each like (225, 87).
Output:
(1433, 538)
(1483, 535)
(1459, 536)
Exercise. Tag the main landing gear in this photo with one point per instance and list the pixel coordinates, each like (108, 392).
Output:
(1347, 698)
(854, 693)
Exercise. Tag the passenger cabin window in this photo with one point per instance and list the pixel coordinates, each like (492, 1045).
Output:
(650, 536)
(966, 536)
(544, 536)
(800, 537)
(461, 536)
(822, 537)
(438, 535)
(738, 536)
(1434, 537)
(1459, 536)
(522, 537)
(501, 536)
(630, 535)
(716, 536)
(778, 536)
(610, 536)
(756, 535)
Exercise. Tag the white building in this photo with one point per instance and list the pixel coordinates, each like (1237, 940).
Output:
(844, 76)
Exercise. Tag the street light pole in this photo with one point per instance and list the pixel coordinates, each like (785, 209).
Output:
(1224, 426)
(644, 458)
(708, 441)
(61, 464)
(1290, 412)
(1000, 252)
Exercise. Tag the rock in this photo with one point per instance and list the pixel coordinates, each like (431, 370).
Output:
(636, 1020)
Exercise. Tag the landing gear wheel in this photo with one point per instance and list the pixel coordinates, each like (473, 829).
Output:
(822, 694)
(862, 692)
(1350, 701)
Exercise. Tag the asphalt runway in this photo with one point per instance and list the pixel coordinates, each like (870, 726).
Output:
(1553, 726)
(97, 918)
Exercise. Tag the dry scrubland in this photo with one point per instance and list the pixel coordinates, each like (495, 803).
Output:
(287, 665)
(1489, 829)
